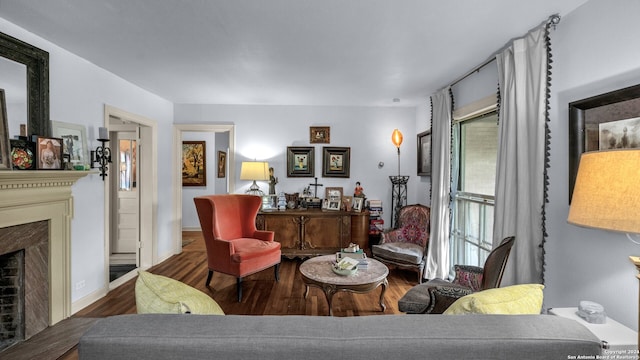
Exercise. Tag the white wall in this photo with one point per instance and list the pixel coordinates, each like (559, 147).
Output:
(595, 50)
(78, 92)
(264, 132)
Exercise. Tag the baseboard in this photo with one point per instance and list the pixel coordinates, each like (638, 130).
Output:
(88, 300)
(191, 229)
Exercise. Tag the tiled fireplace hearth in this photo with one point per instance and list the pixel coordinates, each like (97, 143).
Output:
(36, 208)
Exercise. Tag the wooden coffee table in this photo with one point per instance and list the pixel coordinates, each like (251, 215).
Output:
(317, 272)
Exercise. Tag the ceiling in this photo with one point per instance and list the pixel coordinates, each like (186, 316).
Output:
(285, 52)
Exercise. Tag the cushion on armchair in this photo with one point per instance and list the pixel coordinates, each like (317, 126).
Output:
(408, 253)
(160, 294)
(517, 299)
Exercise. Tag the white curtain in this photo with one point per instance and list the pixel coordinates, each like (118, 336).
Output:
(520, 174)
(437, 264)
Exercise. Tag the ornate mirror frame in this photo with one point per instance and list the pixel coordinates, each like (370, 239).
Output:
(37, 62)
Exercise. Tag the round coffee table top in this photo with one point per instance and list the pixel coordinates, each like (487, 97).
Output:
(319, 269)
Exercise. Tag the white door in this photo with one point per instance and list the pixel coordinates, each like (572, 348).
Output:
(126, 227)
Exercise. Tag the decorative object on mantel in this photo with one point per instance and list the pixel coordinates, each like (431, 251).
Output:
(49, 153)
(74, 143)
(606, 193)
(22, 154)
(256, 171)
(102, 154)
(399, 183)
(319, 135)
(5, 145)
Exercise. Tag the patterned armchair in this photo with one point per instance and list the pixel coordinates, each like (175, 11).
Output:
(405, 247)
(435, 296)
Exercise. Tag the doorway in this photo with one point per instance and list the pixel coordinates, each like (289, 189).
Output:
(130, 190)
(178, 132)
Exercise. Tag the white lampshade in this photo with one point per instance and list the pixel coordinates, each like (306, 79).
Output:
(254, 170)
(607, 191)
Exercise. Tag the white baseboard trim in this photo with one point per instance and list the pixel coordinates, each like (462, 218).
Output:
(191, 229)
(88, 300)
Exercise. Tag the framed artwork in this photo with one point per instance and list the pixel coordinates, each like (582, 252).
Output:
(319, 135)
(598, 122)
(48, 153)
(336, 161)
(347, 201)
(424, 153)
(194, 163)
(222, 164)
(334, 205)
(22, 154)
(358, 204)
(333, 193)
(74, 141)
(5, 145)
(300, 161)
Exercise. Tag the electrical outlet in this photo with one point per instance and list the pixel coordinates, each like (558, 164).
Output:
(80, 284)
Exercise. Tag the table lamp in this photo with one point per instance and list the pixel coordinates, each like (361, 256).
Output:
(607, 193)
(256, 171)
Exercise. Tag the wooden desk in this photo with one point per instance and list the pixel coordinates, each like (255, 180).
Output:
(311, 232)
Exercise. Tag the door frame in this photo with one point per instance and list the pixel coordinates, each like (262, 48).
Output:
(148, 196)
(178, 130)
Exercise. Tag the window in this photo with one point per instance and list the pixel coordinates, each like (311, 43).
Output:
(474, 160)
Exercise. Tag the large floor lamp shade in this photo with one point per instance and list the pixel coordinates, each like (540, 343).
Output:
(607, 194)
(254, 171)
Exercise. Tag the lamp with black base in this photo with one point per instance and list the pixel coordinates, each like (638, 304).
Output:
(399, 183)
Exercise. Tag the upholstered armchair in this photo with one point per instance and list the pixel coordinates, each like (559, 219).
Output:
(405, 247)
(234, 245)
(435, 296)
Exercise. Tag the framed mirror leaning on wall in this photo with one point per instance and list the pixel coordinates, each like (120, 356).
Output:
(29, 66)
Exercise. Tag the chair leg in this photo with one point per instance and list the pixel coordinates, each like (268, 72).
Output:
(209, 278)
(239, 286)
(277, 271)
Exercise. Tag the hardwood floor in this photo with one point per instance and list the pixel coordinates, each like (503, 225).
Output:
(262, 295)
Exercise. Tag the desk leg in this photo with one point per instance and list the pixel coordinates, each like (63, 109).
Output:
(385, 283)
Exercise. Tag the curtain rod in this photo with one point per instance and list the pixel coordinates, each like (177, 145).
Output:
(553, 20)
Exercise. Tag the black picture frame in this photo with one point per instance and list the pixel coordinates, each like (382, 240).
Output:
(300, 161)
(336, 161)
(424, 153)
(579, 127)
(22, 154)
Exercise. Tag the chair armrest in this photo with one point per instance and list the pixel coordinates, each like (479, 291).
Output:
(264, 235)
(220, 246)
(443, 296)
(468, 276)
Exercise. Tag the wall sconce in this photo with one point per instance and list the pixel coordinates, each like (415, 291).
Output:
(256, 171)
(102, 154)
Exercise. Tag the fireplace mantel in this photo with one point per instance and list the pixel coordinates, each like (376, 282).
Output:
(30, 196)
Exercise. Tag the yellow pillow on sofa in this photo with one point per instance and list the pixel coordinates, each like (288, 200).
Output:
(162, 295)
(516, 299)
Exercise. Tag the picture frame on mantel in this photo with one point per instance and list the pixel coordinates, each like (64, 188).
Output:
(586, 117)
(336, 161)
(5, 144)
(424, 153)
(74, 140)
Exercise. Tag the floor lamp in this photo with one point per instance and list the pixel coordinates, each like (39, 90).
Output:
(399, 183)
(607, 194)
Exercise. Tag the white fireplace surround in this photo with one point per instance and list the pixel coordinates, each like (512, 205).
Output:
(29, 196)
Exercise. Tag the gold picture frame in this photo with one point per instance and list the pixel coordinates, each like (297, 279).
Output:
(194, 163)
(319, 135)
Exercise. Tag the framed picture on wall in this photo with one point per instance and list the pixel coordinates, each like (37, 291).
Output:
(424, 153)
(222, 164)
(319, 135)
(194, 163)
(300, 160)
(336, 161)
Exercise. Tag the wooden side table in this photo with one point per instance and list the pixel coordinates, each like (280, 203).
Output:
(619, 337)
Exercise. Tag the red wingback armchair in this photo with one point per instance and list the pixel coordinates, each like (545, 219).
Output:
(234, 245)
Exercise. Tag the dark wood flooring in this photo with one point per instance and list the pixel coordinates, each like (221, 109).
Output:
(261, 294)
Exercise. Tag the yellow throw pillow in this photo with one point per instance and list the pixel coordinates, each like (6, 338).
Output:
(162, 295)
(516, 299)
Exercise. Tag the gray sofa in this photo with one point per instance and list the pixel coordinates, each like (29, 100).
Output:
(396, 337)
